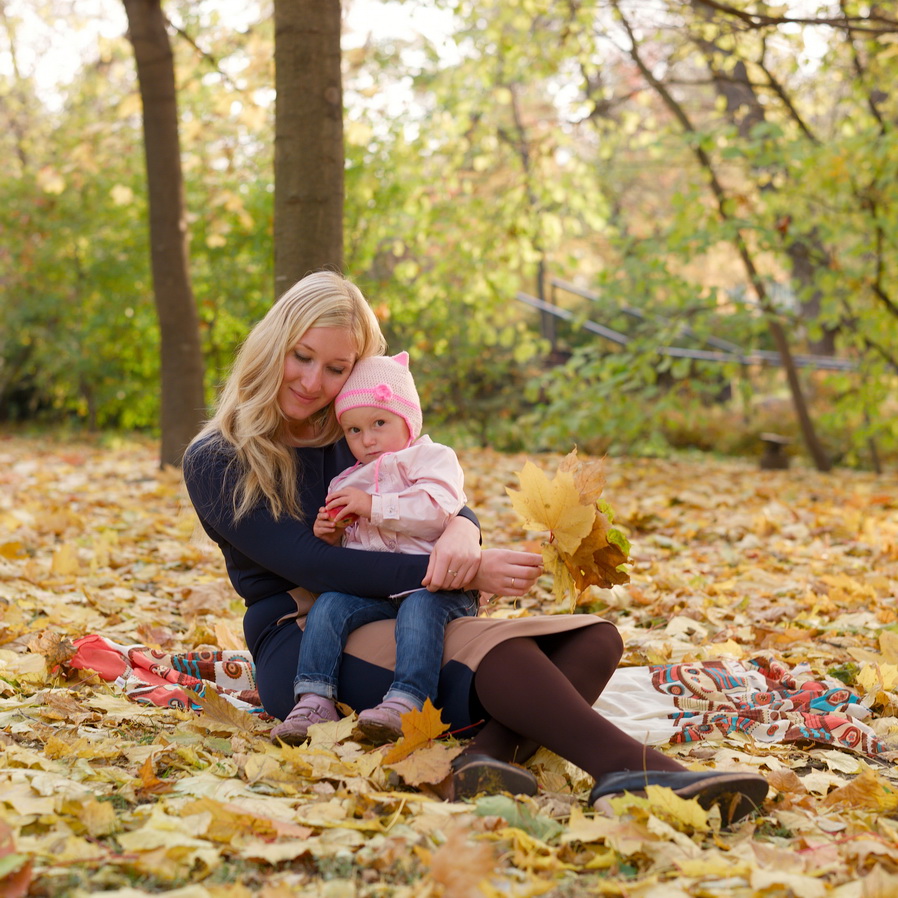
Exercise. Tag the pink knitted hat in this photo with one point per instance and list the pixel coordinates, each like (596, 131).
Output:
(383, 382)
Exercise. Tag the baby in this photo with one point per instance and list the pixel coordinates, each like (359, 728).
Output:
(398, 497)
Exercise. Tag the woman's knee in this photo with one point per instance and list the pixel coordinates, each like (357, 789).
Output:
(611, 642)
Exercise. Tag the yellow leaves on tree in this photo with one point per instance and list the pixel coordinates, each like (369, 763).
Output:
(583, 549)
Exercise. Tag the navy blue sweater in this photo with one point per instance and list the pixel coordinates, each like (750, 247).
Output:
(265, 556)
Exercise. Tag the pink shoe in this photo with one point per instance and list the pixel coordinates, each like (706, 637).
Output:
(384, 723)
(310, 709)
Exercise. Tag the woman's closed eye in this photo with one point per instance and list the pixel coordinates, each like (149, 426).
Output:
(306, 360)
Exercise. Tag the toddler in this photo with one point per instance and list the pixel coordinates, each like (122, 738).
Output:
(398, 497)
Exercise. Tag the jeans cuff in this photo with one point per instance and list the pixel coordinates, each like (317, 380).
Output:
(317, 687)
(416, 700)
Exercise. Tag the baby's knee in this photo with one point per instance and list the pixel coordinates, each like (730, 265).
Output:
(325, 604)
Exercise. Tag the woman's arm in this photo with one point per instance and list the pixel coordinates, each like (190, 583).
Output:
(458, 563)
(258, 544)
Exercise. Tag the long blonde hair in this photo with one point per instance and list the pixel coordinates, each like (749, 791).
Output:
(248, 416)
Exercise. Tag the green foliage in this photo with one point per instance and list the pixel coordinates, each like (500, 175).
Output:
(471, 169)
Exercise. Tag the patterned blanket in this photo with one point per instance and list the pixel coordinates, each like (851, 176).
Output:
(671, 703)
(761, 698)
(170, 680)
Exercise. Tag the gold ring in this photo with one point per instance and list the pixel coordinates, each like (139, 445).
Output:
(512, 582)
(454, 573)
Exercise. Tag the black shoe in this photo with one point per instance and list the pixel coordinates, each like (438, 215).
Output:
(473, 774)
(737, 794)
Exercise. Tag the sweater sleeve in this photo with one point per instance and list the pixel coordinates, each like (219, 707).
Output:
(265, 555)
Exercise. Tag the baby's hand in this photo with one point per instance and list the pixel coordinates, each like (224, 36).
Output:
(349, 503)
(324, 528)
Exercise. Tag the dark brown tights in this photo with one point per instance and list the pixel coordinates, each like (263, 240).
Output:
(542, 694)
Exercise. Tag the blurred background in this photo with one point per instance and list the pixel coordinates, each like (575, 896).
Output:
(638, 226)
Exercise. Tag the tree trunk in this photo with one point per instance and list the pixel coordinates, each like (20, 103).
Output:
(308, 142)
(183, 400)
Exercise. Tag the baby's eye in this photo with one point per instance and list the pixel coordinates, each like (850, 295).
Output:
(354, 430)
(379, 422)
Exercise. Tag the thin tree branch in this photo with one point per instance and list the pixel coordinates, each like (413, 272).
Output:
(203, 54)
(764, 20)
(821, 460)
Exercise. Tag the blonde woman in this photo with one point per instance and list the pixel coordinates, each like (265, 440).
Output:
(258, 474)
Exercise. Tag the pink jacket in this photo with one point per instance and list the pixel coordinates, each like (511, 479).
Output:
(414, 494)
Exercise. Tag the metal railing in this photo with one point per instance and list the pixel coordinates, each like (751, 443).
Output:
(723, 351)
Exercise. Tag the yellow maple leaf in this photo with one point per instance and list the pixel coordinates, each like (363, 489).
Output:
(876, 677)
(582, 550)
(563, 585)
(418, 728)
(552, 505)
(220, 710)
(99, 818)
(888, 645)
(65, 561)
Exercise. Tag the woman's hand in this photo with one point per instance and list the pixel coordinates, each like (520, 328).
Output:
(455, 558)
(505, 572)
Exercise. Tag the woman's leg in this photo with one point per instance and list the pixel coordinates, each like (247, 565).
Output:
(537, 697)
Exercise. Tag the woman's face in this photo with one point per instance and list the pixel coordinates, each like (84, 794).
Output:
(314, 371)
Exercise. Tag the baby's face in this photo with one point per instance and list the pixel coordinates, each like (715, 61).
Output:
(370, 432)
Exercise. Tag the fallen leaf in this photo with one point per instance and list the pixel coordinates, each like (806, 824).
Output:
(460, 866)
(868, 791)
(418, 728)
(429, 764)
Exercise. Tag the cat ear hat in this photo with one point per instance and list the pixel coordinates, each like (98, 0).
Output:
(385, 382)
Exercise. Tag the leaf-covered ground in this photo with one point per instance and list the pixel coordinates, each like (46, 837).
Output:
(98, 794)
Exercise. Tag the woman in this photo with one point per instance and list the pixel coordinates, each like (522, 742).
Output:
(257, 475)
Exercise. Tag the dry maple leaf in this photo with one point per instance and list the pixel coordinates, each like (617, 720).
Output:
(429, 764)
(867, 791)
(460, 866)
(221, 710)
(56, 649)
(418, 728)
(589, 477)
(150, 784)
(583, 549)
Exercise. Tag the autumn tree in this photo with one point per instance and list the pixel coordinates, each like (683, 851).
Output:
(308, 156)
(183, 402)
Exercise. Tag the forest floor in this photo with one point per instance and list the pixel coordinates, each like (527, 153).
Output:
(101, 794)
